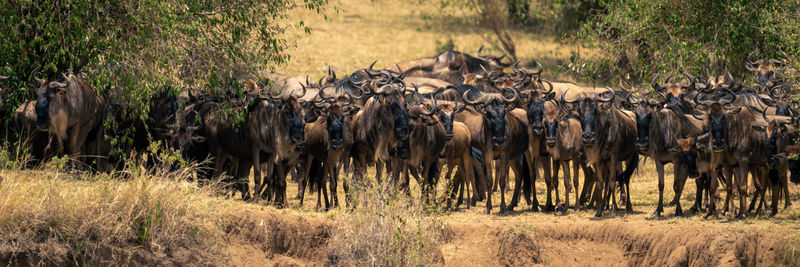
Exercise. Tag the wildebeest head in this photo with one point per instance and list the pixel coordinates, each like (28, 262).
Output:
(400, 117)
(335, 121)
(781, 136)
(535, 108)
(447, 113)
(494, 106)
(50, 93)
(766, 69)
(181, 135)
(292, 114)
(674, 93)
(716, 124)
(588, 108)
(553, 121)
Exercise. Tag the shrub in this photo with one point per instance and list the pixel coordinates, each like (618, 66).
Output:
(387, 231)
(641, 38)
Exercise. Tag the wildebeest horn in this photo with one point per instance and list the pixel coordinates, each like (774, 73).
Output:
(548, 83)
(779, 96)
(513, 98)
(319, 83)
(303, 92)
(668, 79)
(6, 77)
(728, 76)
(539, 68)
(749, 59)
(471, 102)
(654, 83)
(433, 109)
(479, 51)
(691, 80)
(613, 95)
(355, 97)
(331, 73)
(515, 67)
(775, 61)
(564, 94)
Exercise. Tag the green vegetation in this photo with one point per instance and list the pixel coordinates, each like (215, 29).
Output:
(641, 38)
(136, 48)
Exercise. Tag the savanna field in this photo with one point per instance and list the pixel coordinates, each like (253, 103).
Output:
(50, 215)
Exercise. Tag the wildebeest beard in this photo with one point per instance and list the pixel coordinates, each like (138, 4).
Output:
(400, 114)
(447, 122)
(42, 112)
(717, 123)
(691, 163)
(535, 116)
(588, 112)
(294, 119)
(552, 128)
(643, 119)
(496, 114)
(335, 130)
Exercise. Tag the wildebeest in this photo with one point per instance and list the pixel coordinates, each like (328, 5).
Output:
(456, 153)
(604, 127)
(735, 144)
(272, 129)
(378, 127)
(659, 126)
(769, 71)
(504, 136)
(781, 136)
(426, 141)
(68, 108)
(328, 139)
(25, 123)
(563, 141)
(451, 65)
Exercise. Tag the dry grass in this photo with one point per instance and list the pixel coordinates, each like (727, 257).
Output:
(160, 213)
(387, 231)
(155, 212)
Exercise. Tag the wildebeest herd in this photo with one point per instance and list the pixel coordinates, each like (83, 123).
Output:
(466, 112)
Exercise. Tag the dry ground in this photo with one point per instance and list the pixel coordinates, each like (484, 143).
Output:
(69, 215)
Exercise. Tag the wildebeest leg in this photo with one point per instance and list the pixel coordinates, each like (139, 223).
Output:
(534, 174)
(379, 172)
(698, 197)
(487, 165)
(576, 181)
(468, 175)
(548, 206)
(554, 183)
(741, 185)
(397, 184)
(784, 181)
(241, 177)
(453, 185)
(518, 184)
(680, 173)
(777, 190)
(660, 172)
(588, 184)
(567, 185)
(501, 170)
(519, 177)
(303, 181)
(759, 182)
(259, 183)
(602, 183)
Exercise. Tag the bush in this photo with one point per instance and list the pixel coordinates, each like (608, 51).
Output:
(641, 38)
(386, 231)
(138, 47)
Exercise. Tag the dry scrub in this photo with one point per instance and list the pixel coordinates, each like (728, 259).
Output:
(57, 217)
(387, 231)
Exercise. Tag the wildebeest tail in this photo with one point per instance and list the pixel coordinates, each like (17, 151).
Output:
(625, 176)
(527, 179)
(315, 175)
(477, 155)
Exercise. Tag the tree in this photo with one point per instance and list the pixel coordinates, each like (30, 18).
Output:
(135, 47)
